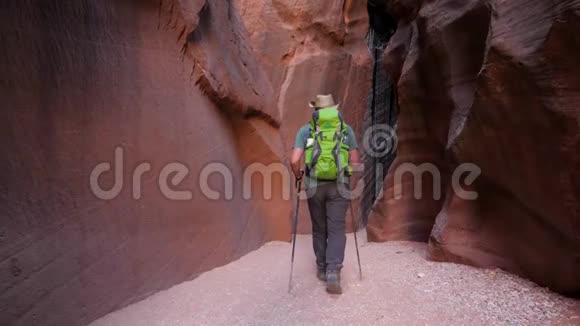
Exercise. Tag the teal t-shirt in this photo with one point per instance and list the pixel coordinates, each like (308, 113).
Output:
(304, 134)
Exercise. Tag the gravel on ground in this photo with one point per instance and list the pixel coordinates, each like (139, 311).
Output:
(399, 287)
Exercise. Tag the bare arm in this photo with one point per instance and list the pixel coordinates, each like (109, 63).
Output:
(296, 162)
(354, 157)
(355, 163)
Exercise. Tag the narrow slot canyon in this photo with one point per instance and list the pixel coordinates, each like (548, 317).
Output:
(146, 152)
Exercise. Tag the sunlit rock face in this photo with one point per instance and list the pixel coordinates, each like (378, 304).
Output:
(494, 84)
(308, 48)
(172, 81)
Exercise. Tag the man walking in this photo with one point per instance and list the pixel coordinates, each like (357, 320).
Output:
(329, 148)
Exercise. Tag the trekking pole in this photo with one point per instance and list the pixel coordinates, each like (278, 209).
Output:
(294, 230)
(355, 229)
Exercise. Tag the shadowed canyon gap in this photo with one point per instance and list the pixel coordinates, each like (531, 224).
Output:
(489, 82)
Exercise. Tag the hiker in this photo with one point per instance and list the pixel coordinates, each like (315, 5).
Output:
(329, 148)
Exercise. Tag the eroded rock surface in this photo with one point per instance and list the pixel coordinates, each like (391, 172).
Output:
(309, 48)
(165, 81)
(495, 84)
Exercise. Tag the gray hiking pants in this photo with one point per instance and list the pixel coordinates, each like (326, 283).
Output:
(328, 214)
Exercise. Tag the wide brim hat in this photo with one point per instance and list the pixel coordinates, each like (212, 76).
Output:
(323, 101)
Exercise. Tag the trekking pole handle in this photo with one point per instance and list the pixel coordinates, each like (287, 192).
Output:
(299, 179)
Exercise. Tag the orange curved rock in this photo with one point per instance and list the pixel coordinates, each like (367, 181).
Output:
(492, 85)
(168, 81)
(319, 48)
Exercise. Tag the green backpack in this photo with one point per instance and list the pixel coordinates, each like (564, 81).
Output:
(326, 154)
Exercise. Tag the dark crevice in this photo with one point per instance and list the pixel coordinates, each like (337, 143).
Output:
(382, 107)
(381, 22)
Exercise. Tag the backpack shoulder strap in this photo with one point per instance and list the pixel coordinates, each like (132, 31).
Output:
(314, 121)
(343, 125)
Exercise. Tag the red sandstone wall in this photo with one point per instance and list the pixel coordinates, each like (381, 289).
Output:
(494, 83)
(170, 80)
(309, 48)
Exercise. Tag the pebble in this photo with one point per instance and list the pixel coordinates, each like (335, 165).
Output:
(254, 291)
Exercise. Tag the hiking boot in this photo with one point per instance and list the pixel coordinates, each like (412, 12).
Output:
(321, 274)
(333, 282)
